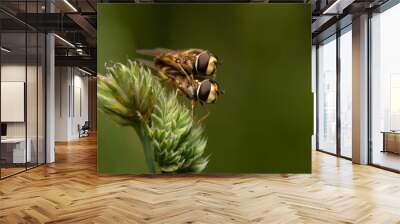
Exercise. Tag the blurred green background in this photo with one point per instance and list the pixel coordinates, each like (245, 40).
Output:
(263, 123)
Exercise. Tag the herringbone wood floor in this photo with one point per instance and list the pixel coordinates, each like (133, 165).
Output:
(70, 191)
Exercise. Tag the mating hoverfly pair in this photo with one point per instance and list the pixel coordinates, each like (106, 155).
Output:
(191, 72)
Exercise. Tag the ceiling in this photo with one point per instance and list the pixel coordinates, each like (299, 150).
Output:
(76, 22)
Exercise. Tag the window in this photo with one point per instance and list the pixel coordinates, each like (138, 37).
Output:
(327, 95)
(385, 89)
(346, 92)
(334, 106)
(22, 77)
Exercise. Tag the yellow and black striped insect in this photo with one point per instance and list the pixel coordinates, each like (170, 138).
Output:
(198, 63)
(191, 72)
(205, 91)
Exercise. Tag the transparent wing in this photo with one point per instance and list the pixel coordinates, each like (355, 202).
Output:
(154, 52)
(148, 63)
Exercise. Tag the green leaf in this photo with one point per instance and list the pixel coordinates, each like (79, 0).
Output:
(133, 96)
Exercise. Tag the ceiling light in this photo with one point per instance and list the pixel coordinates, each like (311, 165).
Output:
(70, 5)
(84, 71)
(65, 41)
(329, 9)
(80, 51)
(5, 50)
(337, 7)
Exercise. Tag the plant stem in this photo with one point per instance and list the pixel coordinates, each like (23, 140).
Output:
(147, 149)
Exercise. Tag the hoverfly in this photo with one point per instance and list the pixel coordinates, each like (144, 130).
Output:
(199, 86)
(198, 63)
(204, 91)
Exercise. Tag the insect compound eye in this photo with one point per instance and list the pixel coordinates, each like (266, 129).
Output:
(202, 62)
(204, 90)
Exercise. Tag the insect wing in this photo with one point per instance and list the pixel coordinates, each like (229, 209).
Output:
(154, 52)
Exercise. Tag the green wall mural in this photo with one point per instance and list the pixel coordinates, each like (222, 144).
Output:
(262, 123)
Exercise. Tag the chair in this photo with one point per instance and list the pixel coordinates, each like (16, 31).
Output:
(84, 130)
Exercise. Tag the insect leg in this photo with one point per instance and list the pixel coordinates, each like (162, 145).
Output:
(184, 72)
(206, 115)
(178, 92)
(194, 104)
(162, 73)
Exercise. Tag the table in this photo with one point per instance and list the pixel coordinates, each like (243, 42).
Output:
(15, 148)
(391, 141)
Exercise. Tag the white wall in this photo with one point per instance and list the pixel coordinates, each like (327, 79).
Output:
(33, 127)
(62, 81)
(71, 102)
(12, 73)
